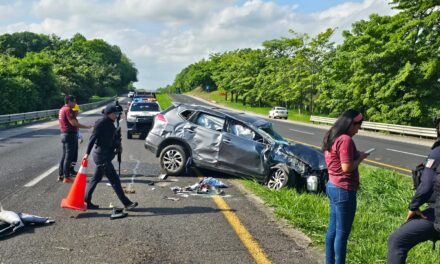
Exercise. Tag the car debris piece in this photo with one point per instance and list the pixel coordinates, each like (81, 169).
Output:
(171, 198)
(16, 221)
(129, 188)
(214, 182)
(163, 176)
(117, 213)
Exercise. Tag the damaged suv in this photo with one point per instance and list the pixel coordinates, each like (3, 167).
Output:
(233, 143)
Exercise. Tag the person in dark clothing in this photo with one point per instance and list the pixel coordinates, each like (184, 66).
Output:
(419, 226)
(69, 131)
(119, 112)
(106, 146)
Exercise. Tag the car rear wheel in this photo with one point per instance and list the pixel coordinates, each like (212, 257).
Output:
(280, 177)
(129, 136)
(173, 160)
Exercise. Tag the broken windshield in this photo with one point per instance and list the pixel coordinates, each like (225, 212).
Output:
(268, 131)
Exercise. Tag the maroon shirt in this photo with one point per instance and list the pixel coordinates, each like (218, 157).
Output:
(343, 151)
(65, 126)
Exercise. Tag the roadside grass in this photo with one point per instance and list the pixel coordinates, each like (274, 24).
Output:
(382, 206)
(164, 100)
(220, 99)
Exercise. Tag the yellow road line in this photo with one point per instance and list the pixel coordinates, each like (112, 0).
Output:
(387, 165)
(246, 238)
(367, 160)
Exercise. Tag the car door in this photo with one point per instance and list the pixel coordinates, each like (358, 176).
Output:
(204, 137)
(241, 149)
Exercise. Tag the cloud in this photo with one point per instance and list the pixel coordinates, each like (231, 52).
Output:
(162, 38)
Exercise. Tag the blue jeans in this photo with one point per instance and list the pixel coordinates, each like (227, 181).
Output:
(342, 211)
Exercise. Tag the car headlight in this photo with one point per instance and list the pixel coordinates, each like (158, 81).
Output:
(312, 183)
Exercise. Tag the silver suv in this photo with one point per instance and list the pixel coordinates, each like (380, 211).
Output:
(235, 143)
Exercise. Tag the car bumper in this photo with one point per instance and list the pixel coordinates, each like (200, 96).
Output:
(280, 115)
(151, 143)
(140, 126)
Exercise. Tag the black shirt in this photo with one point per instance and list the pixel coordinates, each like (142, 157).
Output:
(104, 135)
(425, 192)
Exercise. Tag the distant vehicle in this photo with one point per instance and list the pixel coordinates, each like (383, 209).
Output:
(278, 112)
(234, 143)
(140, 117)
(130, 94)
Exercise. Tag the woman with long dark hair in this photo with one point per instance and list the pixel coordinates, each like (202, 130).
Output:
(342, 160)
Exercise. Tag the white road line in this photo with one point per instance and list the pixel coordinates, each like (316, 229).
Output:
(309, 133)
(409, 153)
(42, 176)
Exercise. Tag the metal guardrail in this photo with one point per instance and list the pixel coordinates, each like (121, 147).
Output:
(14, 118)
(398, 129)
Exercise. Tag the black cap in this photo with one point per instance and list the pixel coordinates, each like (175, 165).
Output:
(110, 109)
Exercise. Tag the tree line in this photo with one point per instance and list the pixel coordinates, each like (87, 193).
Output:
(388, 67)
(37, 70)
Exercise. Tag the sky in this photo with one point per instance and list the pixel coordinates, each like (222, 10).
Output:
(162, 37)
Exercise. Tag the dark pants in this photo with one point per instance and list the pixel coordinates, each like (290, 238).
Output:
(70, 142)
(342, 212)
(105, 166)
(410, 234)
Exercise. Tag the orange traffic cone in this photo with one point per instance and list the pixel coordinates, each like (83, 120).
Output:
(75, 199)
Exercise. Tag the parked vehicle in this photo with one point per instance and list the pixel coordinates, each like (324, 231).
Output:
(278, 112)
(234, 143)
(140, 117)
(130, 94)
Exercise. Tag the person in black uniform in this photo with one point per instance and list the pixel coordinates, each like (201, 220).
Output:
(119, 112)
(106, 146)
(419, 226)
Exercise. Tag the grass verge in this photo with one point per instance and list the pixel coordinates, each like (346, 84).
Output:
(382, 207)
(164, 100)
(220, 99)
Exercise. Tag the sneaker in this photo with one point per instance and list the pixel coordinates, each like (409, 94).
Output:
(60, 178)
(68, 180)
(92, 206)
(131, 206)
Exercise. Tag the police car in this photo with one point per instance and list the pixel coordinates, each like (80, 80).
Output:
(140, 117)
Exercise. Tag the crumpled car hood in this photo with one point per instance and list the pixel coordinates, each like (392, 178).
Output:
(313, 157)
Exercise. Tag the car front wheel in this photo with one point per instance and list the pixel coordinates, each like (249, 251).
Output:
(279, 177)
(173, 160)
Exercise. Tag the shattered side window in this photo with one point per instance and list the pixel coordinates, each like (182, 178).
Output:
(209, 121)
(187, 114)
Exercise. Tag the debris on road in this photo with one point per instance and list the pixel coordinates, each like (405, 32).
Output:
(63, 248)
(207, 186)
(162, 176)
(117, 213)
(129, 188)
(171, 198)
(213, 182)
(11, 221)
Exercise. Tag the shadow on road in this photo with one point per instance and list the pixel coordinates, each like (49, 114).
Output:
(156, 211)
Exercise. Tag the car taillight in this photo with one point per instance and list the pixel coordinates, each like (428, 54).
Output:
(160, 117)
